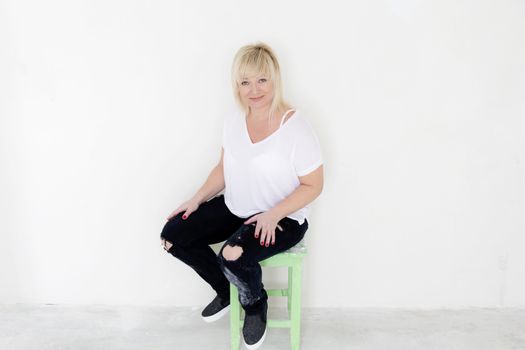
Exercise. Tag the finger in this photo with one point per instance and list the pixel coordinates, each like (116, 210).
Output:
(263, 235)
(257, 230)
(273, 238)
(174, 213)
(269, 237)
(280, 228)
(250, 220)
(186, 214)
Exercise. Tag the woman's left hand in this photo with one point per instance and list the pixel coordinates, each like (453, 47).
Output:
(266, 224)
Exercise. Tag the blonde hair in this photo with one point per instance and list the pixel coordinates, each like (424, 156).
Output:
(255, 59)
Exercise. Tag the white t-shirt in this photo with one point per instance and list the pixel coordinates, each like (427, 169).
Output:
(260, 175)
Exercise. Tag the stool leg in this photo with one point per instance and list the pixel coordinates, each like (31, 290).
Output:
(295, 331)
(235, 318)
(290, 291)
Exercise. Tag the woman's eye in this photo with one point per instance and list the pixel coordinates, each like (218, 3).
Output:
(244, 83)
(263, 80)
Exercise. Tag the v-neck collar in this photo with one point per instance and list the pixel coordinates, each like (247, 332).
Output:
(245, 128)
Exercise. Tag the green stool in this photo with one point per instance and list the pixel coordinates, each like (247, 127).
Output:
(293, 259)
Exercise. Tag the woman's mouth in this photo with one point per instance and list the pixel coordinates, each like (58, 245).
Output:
(256, 98)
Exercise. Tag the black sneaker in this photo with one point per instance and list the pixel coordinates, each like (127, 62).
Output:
(216, 309)
(254, 328)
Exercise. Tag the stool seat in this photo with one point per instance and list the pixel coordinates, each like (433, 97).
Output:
(293, 259)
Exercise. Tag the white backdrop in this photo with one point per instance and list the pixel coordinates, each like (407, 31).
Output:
(111, 117)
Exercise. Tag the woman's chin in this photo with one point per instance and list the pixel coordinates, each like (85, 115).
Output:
(258, 105)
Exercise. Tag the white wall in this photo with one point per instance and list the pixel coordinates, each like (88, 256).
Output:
(110, 117)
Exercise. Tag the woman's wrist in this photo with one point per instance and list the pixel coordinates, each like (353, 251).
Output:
(277, 213)
(197, 198)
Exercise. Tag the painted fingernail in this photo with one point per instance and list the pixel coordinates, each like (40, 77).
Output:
(184, 217)
(267, 244)
(262, 243)
(256, 236)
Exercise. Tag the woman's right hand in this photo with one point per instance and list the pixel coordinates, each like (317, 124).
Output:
(187, 207)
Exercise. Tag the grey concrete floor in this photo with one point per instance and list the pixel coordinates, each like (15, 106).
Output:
(97, 327)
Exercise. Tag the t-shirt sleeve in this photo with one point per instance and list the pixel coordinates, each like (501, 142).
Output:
(307, 155)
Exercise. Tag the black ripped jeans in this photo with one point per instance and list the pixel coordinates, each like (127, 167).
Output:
(213, 222)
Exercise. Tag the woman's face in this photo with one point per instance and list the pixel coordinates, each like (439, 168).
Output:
(256, 91)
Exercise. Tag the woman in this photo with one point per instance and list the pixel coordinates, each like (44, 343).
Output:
(270, 170)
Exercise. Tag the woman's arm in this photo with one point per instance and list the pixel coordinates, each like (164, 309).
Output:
(213, 185)
(310, 187)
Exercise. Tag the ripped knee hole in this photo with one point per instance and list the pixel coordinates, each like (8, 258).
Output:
(232, 252)
(166, 244)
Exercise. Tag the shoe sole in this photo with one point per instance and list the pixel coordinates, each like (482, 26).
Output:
(216, 316)
(256, 345)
